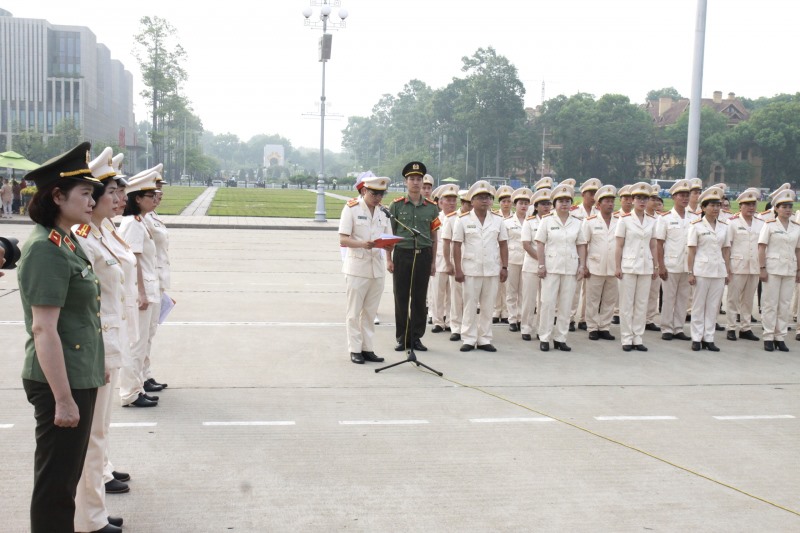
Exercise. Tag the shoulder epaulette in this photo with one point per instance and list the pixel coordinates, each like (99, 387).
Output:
(138, 218)
(399, 199)
(509, 216)
(770, 221)
(463, 214)
(664, 213)
(451, 214)
(574, 207)
(500, 215)
(577, 218)
(722, 222)
(765, 212)
(623, 215)
(651, 216)
(530, 217)
(696, 221)
(548, 215)
(426, 201)
(83, 230)
(726, 211)
(352, 203)
(591, 217)
(55, 237)
(734, 217)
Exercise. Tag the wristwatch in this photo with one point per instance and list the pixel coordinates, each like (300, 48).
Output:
(541, 267)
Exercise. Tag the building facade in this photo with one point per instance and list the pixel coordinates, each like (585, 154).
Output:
(51, 73)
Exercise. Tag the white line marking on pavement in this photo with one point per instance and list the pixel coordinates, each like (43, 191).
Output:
(6, 426)
(133, 424)
(226, 324)
(636, 418)
(381, 422)
(753, 417)
(493, 420)
(253, 423)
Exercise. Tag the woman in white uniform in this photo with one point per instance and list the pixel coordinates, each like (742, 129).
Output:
(709, 261)
(635, 268)
(540, 202)
(560, 241)
(516, 254)
(778, 256)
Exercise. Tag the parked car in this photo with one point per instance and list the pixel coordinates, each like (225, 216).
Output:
(217, 183)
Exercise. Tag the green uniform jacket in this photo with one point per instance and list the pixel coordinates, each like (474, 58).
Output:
(423, 217)
(54, 271)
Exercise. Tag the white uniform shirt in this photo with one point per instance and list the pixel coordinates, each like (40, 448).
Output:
(161, 238)
(708, 260)
(109, 271)
(781, 244)
(127, 260)
(579, 211)
(441, 266)
(601, 245)
(674, 230)
(560, 243)
(725, 215)
(636, 255)
(529, 264)
(480, 248)
(744, 244)
(516, 254)
(133, 230)
(357, 222)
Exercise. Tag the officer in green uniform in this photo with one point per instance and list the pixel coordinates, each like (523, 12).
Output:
(412, 263)
(64, 353)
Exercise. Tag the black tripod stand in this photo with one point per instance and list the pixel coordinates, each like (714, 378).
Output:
(411, 357)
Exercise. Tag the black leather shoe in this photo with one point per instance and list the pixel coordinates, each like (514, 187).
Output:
(526, 337)
(437, 329)
(562, 346)
(487, 348)
(696, 346)
(769, 346)
(447, 328)
(544, 346)
(419, 346)
(496, 320)
(455, 337)
(399, 347)
(150, 397)
(514, 327)
(141, 401)
(781, 346)
(572, 326)
(117, 487)
(689, 317)
(430, 320)
(115, 521)
(666, 336)
(640, 347)
(719, 328)
(615, 320)
(357, 358)
(731, 335)
(748, 335)
(371, 357)
(594, 335)
(627, 347)
(109, 528)
(466, 348)
(681, 336)
(504, 320)
(152, 381)
(582, 326)
(606, 335)
(711, 347)
(651, 327)
(121, 476)
(797, 337)
(703, 345)
(149, 387)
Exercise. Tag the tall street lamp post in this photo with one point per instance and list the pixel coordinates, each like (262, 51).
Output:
(324, 55)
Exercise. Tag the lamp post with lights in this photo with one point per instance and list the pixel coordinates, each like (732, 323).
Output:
(325, 22)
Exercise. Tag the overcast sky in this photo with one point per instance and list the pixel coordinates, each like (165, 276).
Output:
(253, 66)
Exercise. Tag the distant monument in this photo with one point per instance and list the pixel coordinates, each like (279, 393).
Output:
(273, 155)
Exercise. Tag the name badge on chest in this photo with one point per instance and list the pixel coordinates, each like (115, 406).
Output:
(111, 262)
(362, 217)
(85, 272)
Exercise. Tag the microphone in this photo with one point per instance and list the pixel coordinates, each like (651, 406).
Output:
(386, 211)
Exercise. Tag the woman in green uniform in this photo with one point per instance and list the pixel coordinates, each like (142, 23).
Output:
(64, 353)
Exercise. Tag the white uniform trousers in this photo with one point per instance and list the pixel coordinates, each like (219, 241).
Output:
(557, 290)
(530, 296)
(363, 298)
(456, 305)
(131, 377)
(707, 295)
(675, 300)
(440, 297)
(602, 294)
(513, 285)
(652, 302)
(90, 496)
(741, 291)
(776, 300)
(146, 373)
(578, 309)
(634, 290)
(500, 306)
(477, 328)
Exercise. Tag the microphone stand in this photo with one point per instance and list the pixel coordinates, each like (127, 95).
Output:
(411, 357)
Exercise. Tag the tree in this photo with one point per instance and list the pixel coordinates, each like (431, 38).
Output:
(671, 92)
(713, 131)
(775, 131)
(160, 58)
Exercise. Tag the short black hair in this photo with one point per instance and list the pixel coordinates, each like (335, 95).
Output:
(43, 208)
(131, 206)
(100, 191)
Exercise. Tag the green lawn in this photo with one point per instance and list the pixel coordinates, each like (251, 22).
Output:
(285, 203)
(176, 199)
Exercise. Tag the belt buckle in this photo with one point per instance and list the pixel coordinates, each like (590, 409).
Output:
(417, 250)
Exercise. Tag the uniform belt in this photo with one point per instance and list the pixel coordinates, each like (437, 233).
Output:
(412, 250)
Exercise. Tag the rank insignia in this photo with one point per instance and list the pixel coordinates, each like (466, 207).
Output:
(55, 237)
(83, 230)
(69, 243)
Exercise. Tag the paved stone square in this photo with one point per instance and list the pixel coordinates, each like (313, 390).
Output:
(268, 426)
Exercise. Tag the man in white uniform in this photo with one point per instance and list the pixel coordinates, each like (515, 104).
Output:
(445, 197)
(456, 289)
(361, 223)
(601, 284)
(743, 231)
